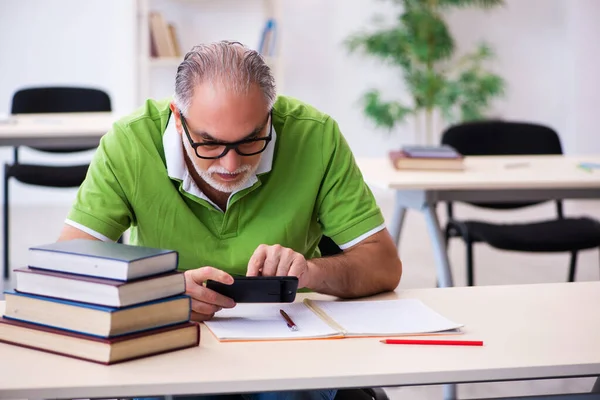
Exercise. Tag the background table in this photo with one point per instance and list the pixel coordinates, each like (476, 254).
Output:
(485, 178)
(529, 332)
(55, 130)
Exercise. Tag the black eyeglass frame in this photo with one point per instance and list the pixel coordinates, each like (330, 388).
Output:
(231, 145)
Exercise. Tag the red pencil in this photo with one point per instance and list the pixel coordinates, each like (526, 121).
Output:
(434, 342)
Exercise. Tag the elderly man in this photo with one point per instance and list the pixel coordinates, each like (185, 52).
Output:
(238, 180)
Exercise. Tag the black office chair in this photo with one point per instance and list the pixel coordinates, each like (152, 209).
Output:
(556, 235)
(329, 248)
(49, 100)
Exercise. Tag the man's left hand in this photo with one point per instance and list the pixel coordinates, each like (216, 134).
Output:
(277, 260)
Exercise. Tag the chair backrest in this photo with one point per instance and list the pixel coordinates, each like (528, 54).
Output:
(328, 247)
(59, 100)
(502, 138)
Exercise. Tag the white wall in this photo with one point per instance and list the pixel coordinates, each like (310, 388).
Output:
(529, 36)
(530, 40)
(545, 48)
(583, 71)
(67, 42)
(64, 42)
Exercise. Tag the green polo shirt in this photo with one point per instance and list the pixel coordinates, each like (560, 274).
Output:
(306, 185)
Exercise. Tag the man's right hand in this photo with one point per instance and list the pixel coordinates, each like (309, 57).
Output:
(206, 302)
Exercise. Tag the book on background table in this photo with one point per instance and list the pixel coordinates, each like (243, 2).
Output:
(102, 259)
(427, 158)
(321, 319)
(443, 151)
(96, 320)
(100, 350)
(100, 291)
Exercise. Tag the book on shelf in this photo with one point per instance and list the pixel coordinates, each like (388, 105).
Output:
(102, 259)
(322, 319)
(163, 37)
(427, 158)
(268, 38)
(100, 291)
(175, 40)
(96, 320)
(100, 350)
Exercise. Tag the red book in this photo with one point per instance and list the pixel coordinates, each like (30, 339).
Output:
(96, 349)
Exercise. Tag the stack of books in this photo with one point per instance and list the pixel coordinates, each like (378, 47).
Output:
(98, 301)
(443, 158)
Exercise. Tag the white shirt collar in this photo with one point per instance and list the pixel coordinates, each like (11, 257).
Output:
(177, 167)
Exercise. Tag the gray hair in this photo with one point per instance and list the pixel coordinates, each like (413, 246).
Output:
(230, 64)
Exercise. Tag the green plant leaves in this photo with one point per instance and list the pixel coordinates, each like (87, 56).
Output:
(427, 36)
(385, 114)
(420, 44)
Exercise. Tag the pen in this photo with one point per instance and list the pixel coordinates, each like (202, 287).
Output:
(434, 342)
(291, 324)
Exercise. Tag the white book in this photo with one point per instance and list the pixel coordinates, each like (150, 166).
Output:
(330, 319)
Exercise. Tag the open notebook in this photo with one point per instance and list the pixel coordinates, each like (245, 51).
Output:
(330, 319)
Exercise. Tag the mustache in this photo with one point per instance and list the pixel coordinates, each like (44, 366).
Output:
(221, 170)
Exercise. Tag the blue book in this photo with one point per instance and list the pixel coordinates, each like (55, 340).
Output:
(102, 259)
(95, 320)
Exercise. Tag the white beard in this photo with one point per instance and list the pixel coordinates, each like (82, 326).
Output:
(208, 176)
(245, 170)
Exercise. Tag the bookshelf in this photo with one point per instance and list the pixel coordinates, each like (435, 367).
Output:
(199, 21)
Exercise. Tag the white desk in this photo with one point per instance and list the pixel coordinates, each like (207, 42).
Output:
(529, 332)
(498, 179)
(55, 130)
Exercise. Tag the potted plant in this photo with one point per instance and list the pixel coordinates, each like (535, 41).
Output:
(441, 83)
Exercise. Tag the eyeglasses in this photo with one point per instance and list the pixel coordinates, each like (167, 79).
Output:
(212, 150)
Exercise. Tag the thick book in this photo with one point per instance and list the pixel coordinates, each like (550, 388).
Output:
(100, 291)
(320, 319)
(96, 320)
(100, 350)
(427, 158)
(102, 259)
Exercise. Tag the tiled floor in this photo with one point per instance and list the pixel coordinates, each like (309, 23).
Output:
(40, 225)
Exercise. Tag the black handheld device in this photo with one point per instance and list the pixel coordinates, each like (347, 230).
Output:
(258, 289)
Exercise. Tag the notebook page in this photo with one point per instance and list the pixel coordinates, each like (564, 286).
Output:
(386, 317)
(249, 321)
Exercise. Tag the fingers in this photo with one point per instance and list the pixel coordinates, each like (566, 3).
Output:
(205, 295)
(274, 260)
(298, 266)
(200, 275)
(271, 263)
(286, 259)
(201, 307)
(204, 300)
(257, 260)
(198, 317)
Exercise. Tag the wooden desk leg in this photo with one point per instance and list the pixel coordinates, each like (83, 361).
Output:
(442, 263)
(397, 221)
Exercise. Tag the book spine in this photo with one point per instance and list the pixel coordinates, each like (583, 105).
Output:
(326, 318)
